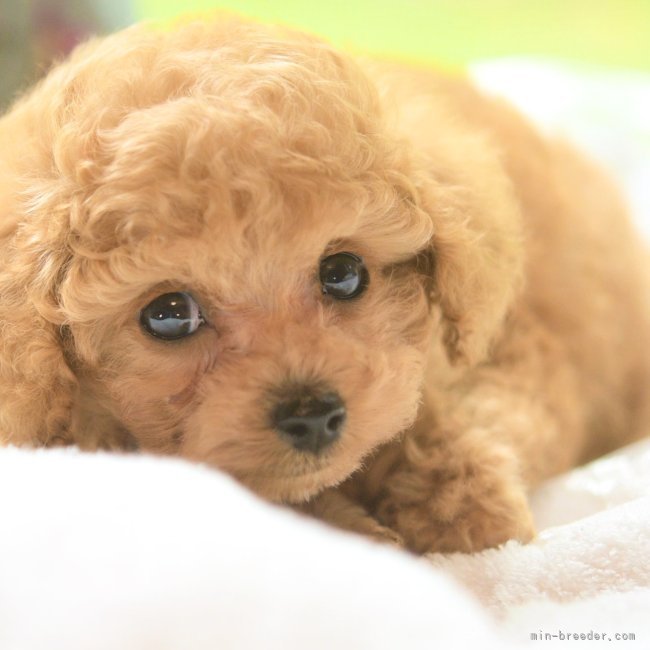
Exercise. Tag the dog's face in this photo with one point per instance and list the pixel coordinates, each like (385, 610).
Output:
(282, 342)
(281, 350)
(249, 267)
(234, 255)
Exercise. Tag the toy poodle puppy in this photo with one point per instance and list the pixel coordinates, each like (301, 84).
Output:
(363, 289)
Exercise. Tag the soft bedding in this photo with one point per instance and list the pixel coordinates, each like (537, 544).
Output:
(131, 552)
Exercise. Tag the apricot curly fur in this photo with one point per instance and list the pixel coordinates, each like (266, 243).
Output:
(503, 336)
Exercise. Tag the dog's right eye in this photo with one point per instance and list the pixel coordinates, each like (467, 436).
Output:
(172, 316)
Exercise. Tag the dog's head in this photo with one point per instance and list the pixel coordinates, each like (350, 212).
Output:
(212, 246)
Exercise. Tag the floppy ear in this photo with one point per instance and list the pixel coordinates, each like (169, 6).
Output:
(37, 387)
(477, 260)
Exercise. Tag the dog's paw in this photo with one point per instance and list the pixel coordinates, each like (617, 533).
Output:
(450, 521)
(478, 527)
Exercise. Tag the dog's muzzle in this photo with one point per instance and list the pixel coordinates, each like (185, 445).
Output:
(310, 421)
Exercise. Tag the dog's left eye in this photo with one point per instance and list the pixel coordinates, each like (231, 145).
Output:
(343, 276)
(172, 316)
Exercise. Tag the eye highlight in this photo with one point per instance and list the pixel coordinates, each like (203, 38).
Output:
(172, 316)
(343, 276)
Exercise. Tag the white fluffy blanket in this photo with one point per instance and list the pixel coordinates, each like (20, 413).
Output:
(107, 552)
(102, 551)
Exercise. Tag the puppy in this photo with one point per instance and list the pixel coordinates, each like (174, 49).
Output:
(366, 290)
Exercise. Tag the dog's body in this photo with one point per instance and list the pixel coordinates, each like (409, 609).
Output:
(496, 331)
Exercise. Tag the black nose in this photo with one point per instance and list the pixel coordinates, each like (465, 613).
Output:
(310, 422)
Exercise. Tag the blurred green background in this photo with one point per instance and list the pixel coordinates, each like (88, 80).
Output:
(613, 32)
(448, 32)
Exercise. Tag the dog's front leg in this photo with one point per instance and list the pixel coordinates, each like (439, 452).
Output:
(460, 481)
(456, 491)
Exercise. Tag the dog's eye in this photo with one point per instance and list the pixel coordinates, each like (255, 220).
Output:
(172, 316)
(343, 276)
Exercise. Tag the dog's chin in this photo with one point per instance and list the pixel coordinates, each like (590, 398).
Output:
(298, 480)
(295, 489)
